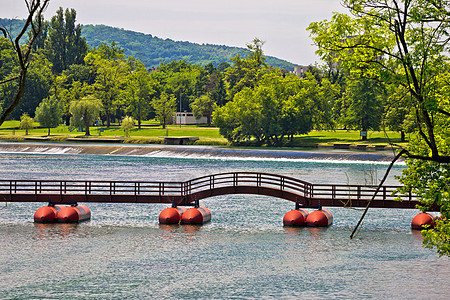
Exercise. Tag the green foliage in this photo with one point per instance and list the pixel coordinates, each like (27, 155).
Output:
(245, 72)
(110, 68)
(37, 86)
(138, 92)
(203, 106)
(65, 46)
(8, 68)
(152, 50)
(165, 107)
(127, 125)
(26, 122)
(49, 113)
(404, 44)
(274, 109)
(84, 112)
(364, 105)
(428, 179)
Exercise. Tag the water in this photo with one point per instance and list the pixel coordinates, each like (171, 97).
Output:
(244, 253)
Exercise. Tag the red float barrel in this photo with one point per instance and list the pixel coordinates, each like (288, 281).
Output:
(196, 215)
(171, 215)
(319, 218)
(47, 214)
(295, 217)
(71, 214)
(421, 220)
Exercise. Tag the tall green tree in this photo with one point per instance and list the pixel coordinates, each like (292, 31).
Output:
(274, 109)
(65, 45)
(404, 43)
(110, 68)
(49, 113)
(137, 93)
(165, 108)
(365, 99)
(84, 112)
(245, 72)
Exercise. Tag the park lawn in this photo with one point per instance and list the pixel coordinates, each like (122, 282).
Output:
(152, 133)
(347, 136)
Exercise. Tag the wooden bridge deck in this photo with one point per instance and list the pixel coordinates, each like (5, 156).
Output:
(184, 193)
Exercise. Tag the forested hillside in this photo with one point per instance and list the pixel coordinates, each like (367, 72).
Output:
(152, 50)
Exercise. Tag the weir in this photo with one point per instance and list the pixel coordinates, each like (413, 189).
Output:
(302, 193)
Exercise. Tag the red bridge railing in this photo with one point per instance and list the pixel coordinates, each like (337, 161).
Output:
(299, 191)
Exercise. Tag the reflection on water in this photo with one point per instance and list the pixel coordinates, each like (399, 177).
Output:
(52, 230)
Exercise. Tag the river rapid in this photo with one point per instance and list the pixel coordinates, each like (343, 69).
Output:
(244, 253)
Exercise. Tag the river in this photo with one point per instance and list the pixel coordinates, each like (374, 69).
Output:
(244, 253)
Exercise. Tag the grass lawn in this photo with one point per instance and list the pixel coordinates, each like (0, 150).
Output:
(347, 136)
(152, 133)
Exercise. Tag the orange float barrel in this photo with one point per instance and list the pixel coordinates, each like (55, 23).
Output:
(319, 218)
(47, 214)
(196, 215)
(295, 217)
(421, 220)
(171, 215)
(73, 214)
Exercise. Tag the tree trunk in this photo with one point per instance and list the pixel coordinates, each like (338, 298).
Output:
(364, 129)
(139, 116)
(48, 132)
(402, 136)
(86, 123)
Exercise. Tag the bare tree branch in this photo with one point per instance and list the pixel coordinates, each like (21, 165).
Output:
(376, 191)
(35, 9)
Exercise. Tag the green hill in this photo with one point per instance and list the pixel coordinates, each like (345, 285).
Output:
(152, 50)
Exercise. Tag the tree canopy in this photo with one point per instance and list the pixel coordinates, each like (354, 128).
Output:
(404, 44)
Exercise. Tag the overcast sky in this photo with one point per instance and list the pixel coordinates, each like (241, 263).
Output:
(280, 23)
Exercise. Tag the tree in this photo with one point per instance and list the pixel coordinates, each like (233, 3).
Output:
(277, 107)
(203, 106)
(365, 103)
(403, 43)
(65, 45)
(49, 113)
(111, 68)
(127, 125)
(245, 72)
(137, 93)
(165, 107)
(84, 112)
(35, 9)
(26, 122)
(397, 114)
(37, 87)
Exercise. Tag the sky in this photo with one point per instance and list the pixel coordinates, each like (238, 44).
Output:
(281, 24)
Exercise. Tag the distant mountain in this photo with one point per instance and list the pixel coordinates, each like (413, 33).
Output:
(152, 50)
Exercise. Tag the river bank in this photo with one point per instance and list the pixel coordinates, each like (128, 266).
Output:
(194, 151)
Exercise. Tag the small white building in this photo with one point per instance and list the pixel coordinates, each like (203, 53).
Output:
(300, 70)
(187, 118)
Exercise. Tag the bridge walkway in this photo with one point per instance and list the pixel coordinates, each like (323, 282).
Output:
(185, 193)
